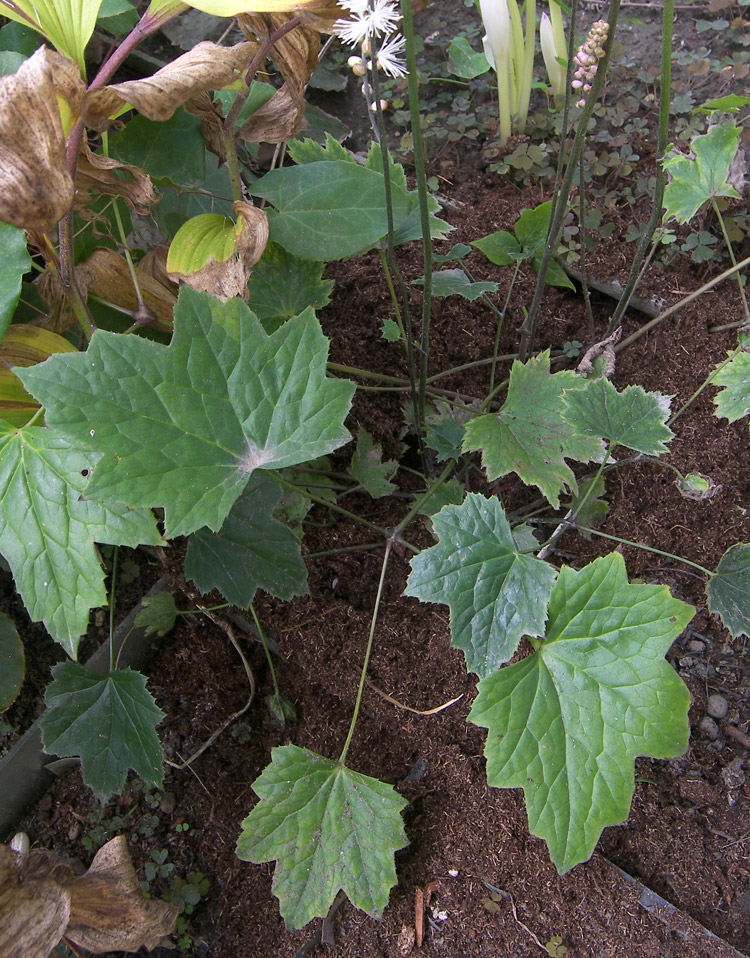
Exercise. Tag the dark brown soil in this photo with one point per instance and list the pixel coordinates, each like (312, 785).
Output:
(494, 890)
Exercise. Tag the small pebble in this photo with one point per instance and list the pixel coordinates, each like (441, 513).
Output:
(708, 727)
(733, 775)
(695, 645)
(717, 706)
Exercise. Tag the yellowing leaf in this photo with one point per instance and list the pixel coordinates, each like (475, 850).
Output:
(215, 255)
(36, 189)
(230, 8)
(24, 346)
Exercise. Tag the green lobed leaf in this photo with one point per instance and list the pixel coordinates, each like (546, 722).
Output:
(698, 179)
(495, 593)
(449, 493)
(501, 248)
(369, 470)
(158, 613)
(109, 720)
(733, 402)
(282, 285)
(566, 723)
(529, 435)
(14, 264)
(455, 282)
(728, 591)
(632, 418)
(466, 63)
(329, 210)
(251, 551)
(184, 426)
(171, 152)
(12, 662)
(329, 829)
(48, 529)
(310, 151)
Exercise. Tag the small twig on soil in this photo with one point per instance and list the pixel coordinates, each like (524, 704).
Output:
(525, 927)
(408, 708)
(223, 624)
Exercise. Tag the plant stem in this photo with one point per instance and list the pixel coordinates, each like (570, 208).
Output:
(569, 521)
(706, 382)
(639, 545)
(425, 497)
(392, 293)
(368, 652)
(263, 642)
(424, 213)
(730, 250)
(528, 330)
(665, 95)
(683, 302)
(112, 609)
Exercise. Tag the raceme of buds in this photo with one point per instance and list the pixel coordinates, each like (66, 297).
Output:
(588, 57)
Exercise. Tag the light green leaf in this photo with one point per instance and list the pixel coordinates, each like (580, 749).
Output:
(566, 723)
(117, 16)
(444, 435)
(390, 331)
(455, 282)
(502, 248)
(529, 435)
(11, 662)
(184, 426)
(310, 151)
(532, 227)
(15, 263)
(201, 238)
(251, 551)
(728, 591)
(171, 152)
(109, 720)
(329, 209)
(495, 593)
(48, 529)
(158, 613)
(282, 286)
(369, 470)
(632, 418)
(329, 829)
(449, 493)
(731, 103)
(698, 179)
(67, 24)
(733, 402)
(466, 63)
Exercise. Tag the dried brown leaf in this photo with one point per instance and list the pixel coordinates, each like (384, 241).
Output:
(36, 189)
(34, 902)
(212, 123)
(105, 273)
(228, 278)
(280, 119)
(207, 66)
(108, 911)
(97, 175)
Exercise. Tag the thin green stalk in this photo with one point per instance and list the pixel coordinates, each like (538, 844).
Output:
(499, 327)
(582, 228)
(683, 302)
(392, 293)
(112, 609)
(706, 382)
(263, 642)
(665, 94)
(424, 212)
(569, 521)
(368, 653)
(425, 497)
(639, 545)
(528, 330)
(730, 250)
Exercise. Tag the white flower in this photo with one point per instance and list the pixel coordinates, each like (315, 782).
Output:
(555, 69)
(379, 20)
(496, 19)
(389, 56)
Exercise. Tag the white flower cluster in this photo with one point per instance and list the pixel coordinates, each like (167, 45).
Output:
(380, 19)
(588, 57)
